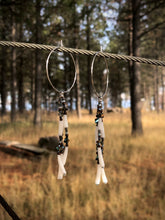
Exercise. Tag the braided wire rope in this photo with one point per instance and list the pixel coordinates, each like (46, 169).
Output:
(83, 52)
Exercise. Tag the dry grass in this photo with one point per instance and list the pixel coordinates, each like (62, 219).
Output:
(135, 169)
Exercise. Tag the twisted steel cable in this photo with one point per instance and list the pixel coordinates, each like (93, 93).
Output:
(83, 52)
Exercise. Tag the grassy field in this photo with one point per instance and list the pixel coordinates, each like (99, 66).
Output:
(135, 169)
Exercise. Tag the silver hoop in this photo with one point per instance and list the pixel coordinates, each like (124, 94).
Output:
(47, 72)
(107, 80)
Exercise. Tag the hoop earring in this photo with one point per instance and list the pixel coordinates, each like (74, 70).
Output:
(62, 148)
(99, 133)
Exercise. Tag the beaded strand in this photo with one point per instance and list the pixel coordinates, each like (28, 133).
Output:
(99, 139)
(62, 148)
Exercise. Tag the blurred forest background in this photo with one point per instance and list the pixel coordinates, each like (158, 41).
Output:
(135, 165)
(123, 27)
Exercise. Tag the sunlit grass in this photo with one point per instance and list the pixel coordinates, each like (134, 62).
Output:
(135, 170)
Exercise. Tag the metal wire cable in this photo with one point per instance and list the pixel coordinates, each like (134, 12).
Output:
(83, 52)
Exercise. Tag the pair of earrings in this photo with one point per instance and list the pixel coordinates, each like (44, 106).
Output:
(62, 148)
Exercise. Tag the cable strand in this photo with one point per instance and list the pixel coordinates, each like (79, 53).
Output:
(83, 52)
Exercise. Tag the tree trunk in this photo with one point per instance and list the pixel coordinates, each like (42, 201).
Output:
(156, 90)
(75, 45)
(3, 91)
(149, 99)
(136, 75)
(78, 89)
(21, 100)
(130, 48)
(13, 73)
(130, 40)
(37, 101)
(32, 83)
(82, 99)
(3, 82)
(38, 69)
(89, 84)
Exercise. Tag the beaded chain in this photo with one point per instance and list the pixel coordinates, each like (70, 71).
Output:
(100, 141)
(62, 148)
(99, 138)
(62, 110)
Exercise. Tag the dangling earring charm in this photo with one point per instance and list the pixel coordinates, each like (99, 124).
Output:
(62, 148)
(99, 133)
(99, 139)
